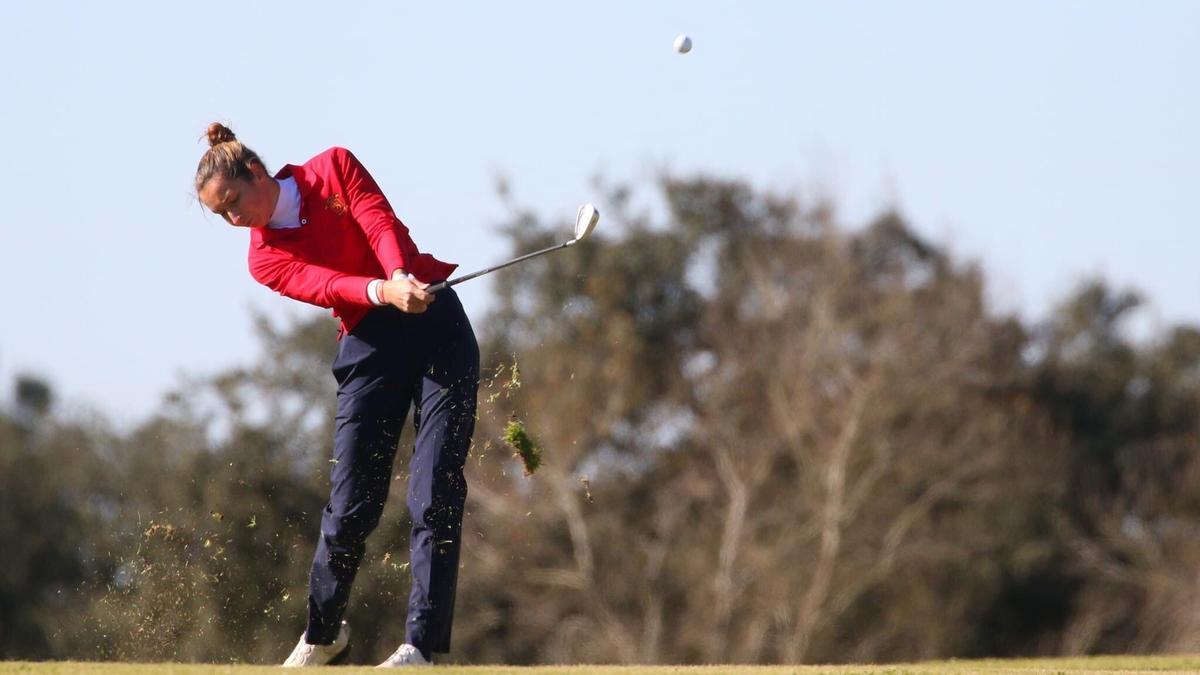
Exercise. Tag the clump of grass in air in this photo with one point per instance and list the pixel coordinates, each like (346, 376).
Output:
(523, 445)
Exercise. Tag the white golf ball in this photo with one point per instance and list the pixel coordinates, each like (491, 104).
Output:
(683, 44)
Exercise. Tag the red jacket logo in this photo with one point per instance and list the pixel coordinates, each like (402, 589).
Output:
(335, 204)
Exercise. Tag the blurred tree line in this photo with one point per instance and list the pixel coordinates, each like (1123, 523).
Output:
(767, 438)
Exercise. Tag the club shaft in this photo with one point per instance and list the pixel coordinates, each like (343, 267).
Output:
(467, 277)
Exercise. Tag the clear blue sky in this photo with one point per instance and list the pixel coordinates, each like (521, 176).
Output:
(1051, 140)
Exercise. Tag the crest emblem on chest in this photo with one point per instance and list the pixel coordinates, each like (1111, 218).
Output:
(336, 204)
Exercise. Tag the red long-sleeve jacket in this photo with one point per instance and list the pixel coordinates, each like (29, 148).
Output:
(348, 236)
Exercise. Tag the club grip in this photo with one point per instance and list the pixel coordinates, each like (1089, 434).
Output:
(438, 286)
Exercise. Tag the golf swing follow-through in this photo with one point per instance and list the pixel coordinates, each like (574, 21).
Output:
(323, 233)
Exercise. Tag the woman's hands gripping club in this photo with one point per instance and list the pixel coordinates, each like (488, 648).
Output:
(406, 293)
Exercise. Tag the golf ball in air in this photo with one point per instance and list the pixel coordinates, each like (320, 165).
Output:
(683, 44)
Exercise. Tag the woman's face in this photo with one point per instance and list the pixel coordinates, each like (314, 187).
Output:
(242, 203)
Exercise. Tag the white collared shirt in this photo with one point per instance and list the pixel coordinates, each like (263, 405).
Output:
(287, 207)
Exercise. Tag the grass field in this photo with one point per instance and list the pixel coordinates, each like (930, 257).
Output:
(1100, 664)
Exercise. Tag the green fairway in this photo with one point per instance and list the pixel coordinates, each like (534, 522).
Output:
(1102, 664)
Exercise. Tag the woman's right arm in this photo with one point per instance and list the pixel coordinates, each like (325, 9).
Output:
(306, 282)
(325, 287)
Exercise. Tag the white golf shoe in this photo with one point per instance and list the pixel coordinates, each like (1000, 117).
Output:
(406, 655)
(321, 655)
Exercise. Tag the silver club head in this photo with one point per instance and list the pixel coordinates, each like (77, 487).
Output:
(585, 221)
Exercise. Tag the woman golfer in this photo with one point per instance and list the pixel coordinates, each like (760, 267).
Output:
(323, 233)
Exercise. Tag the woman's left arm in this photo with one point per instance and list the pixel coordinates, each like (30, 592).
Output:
(387, 236)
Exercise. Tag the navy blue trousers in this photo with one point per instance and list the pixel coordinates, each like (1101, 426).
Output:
(389, 362)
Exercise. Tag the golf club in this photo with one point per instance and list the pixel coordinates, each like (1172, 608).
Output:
(585, 222)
